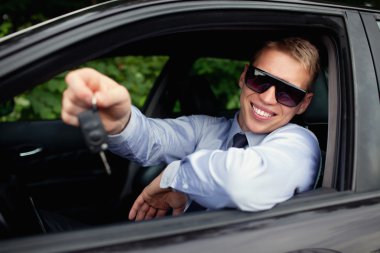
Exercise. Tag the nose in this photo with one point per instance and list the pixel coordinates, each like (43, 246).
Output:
(269, 96)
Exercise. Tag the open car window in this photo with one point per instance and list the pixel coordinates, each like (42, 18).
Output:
(171, 83)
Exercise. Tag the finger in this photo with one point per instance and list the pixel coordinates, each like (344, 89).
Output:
(142, 212)
(69, 96)
(151, 213)
(97, 81)
(70, 106)
(178, 211)
(69, 119)
(78, 81)
(135, 207)
(161, 213)
(113, 96)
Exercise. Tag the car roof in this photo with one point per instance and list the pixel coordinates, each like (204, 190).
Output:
(110, 7)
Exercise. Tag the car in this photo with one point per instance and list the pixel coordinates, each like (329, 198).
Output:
(186, 57)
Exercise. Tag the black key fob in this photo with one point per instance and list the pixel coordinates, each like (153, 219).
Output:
(93, 131)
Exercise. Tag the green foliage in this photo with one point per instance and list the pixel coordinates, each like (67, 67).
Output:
(5, 28)
(136, 73)
(42, 102)
(224, 78)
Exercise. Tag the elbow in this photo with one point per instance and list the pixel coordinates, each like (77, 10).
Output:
(248, 195)
(249, 202)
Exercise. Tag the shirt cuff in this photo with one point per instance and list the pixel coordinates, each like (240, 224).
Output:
(169, 174)
(116, 139)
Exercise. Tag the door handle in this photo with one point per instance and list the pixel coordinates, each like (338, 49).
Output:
(31, 152)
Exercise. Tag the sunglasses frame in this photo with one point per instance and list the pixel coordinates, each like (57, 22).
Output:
(253, 69)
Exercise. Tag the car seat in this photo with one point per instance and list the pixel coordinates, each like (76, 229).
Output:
(315, 118)
(195, 97)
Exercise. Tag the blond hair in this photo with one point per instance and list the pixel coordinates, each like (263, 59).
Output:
(298, 48)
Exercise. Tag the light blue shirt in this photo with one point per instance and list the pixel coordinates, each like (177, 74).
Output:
(203, 165)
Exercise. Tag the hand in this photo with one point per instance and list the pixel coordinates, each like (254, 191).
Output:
(112, 99)
(154, 202)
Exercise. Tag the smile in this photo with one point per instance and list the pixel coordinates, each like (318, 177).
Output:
(261, 113)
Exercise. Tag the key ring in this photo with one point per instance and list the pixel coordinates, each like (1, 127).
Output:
(93, 102)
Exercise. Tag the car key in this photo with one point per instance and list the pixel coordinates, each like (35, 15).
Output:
(94, 133)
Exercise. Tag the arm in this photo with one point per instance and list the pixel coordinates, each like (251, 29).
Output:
(131, 134)
(149, 141)
(250, 179)
(154, 202)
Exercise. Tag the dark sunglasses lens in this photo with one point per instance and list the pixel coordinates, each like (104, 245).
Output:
(258, 84)
(288, 95)
(285, 94)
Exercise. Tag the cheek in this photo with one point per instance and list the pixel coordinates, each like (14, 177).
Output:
(289, 112)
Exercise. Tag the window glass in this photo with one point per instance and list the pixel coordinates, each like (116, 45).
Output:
(43, 102)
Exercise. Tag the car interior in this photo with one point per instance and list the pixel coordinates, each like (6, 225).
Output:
(67, 179)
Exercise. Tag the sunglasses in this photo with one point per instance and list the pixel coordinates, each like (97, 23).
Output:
(286, 93)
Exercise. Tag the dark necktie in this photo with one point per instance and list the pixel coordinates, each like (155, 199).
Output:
(239, 140)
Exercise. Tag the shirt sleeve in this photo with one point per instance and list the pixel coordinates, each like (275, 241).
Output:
(151, 141)
(250, 179)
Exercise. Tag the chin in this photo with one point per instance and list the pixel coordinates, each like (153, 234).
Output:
(257, 129)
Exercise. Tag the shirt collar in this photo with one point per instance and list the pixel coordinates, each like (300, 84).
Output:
(253, 139)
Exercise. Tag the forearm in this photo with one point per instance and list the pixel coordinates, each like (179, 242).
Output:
(253, 179)
(152, 141)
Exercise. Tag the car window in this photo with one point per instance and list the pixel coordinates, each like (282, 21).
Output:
(43, 102)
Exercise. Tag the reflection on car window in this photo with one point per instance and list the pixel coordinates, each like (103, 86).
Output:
(43, 102)
(378, 24)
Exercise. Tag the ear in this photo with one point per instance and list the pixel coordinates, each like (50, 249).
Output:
(305, 103)
(242, 76)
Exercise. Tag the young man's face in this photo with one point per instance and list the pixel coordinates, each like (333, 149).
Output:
(261, 113)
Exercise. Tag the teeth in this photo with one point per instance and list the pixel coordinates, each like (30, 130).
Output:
(261, 112)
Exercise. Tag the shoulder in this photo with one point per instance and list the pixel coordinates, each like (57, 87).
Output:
(293, 138)
(208, 121)
(293, 130)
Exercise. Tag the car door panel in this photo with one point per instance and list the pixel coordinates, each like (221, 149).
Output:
(51, 159)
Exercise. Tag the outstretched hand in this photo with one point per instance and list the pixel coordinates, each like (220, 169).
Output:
(154, 202)
(113, 99)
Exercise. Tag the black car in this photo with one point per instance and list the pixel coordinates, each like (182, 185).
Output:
(46, 166)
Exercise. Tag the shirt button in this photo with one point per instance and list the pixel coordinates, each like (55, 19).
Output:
(185, 186)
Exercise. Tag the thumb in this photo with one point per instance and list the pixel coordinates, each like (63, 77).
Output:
(178, 211)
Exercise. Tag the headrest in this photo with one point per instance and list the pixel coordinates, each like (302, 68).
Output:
(317, 112)
(197, 97)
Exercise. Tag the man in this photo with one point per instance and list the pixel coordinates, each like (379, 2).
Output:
(277, 160)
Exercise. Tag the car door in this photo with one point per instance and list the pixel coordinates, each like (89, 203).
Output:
(333, 218)
(49, 163)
